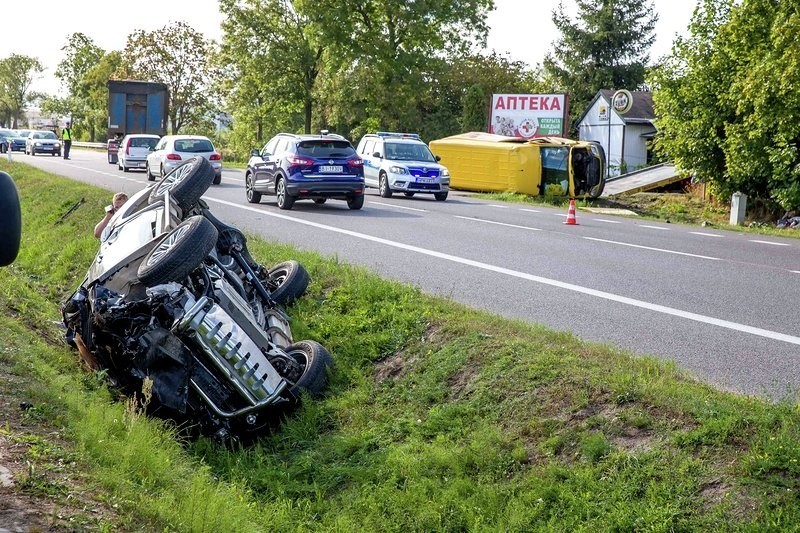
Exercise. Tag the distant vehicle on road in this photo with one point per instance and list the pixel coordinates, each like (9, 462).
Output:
(5, 138)
(135, 107)
(299, 167)
(172, 150)
(134, 149)
(43, 142)
(19, 139)
(401, 162)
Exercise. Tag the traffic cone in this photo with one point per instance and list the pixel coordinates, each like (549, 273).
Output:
(571, 220)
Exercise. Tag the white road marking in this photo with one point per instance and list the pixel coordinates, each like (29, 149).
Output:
(498, 206)
(654, 249)
(743, 328)
(795, 271)
(497, 223)
(607, 221)
(530, 210)
(653, 227)
(400, 207)
(772, 243)
(705, 234)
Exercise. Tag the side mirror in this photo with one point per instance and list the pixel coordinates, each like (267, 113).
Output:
(378, 155)
(10, 220)
(254, 153)
(438, 158)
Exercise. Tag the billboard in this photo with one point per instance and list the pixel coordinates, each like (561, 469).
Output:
(529, 115)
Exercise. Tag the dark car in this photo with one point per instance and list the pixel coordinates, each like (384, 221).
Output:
(18, 140)
(5, 138)
(301, 167)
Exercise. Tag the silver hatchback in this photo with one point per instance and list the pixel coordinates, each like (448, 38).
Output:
(173, 150)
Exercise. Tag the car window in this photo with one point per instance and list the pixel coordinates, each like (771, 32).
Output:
(269, 148)
(44, 135)
(369, 147)
(160, 145)
(283, 146)
(408, 152)
(143, 142)
(325, 148)
(194, 146)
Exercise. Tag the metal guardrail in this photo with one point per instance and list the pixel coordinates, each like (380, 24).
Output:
(88, 145)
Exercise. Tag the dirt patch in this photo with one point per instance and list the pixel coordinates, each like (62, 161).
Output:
(394, 367)
(42, 487)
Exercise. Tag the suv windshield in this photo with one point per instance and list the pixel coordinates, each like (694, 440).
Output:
(325, 148)
(194, 146)
(408, 152)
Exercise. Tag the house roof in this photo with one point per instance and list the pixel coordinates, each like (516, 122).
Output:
(641, 111)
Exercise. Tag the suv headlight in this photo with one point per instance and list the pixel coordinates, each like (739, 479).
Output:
(445, 173)
(398, 170)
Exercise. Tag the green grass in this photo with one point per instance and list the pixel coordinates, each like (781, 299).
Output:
(438, 417)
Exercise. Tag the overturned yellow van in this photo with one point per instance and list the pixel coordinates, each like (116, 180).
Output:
(487, 162)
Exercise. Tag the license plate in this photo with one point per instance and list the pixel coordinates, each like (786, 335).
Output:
(143, 165)
(331, 168)
(424, 180)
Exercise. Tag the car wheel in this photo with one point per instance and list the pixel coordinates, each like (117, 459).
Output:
(383, 186)
(180, 252)
(284, 200)
(11, 225)
(357, 202)
(409, 194)
(33, 152)
(126, 169)
(288, 281)
(217, 179)
(315, 361)
(319, 200)
(186, 184)
(150, 176)
(253, 196)
(441, 196)
(597, 190)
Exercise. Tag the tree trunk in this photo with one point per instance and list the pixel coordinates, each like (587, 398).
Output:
(308, 106)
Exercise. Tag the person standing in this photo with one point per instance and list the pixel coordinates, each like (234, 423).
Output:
(66, 136)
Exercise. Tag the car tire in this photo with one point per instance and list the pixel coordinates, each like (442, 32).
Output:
(186, 184)
(284, 200)
(126, 169)
(33, 152)
(319, 201)
(383, 186)
(290, 281)
(217, 179)
(250, 192)
(179, 252)
(316, 361)
(150, 176)
(440, 196)
(356, 202)
(409, 194)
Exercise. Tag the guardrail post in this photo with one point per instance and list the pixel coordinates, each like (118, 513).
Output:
(738, 208)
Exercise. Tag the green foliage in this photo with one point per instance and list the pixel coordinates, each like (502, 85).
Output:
(606, 48)
(473, 115)
(177, 55)
(727, 97)
(17, 72)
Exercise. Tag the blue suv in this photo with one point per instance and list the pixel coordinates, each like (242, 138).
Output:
(300, 167)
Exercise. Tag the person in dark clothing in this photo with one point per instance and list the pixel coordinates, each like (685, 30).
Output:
(66, 136)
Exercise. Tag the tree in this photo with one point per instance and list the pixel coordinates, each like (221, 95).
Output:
(473, 115)
(274, 57)
(81, 55)
(17, 72)
(607, 47)
(727, 99)
(178, 56)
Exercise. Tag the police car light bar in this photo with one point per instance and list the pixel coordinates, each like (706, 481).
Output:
(395, 134)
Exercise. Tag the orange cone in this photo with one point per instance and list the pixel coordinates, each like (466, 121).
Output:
(571, 220)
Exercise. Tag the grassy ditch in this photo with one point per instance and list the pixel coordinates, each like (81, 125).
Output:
(438, 417)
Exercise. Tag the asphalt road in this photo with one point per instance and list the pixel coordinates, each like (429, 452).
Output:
(723, 305)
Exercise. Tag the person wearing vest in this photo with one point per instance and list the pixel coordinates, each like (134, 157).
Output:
(66, 136)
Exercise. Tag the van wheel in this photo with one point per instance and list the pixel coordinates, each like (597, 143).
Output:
(287, 282)
(186, 184)
(179, 252)
(383, 186)
(253, 196)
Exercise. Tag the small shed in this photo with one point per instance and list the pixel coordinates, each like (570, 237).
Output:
(625, 137)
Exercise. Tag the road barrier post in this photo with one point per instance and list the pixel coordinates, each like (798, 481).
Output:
(738, 208)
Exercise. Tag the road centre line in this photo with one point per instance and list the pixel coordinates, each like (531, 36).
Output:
(654, 249)
(705, 234)
(399, 206)
(607, 221)
(530, 210)
(498, 206)
(497, 223)
(653, 227)
(735, 326)
(772, 243)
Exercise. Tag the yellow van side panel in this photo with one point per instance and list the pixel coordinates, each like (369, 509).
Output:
(490, 166)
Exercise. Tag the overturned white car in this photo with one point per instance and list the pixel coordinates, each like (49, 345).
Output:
(174, 303)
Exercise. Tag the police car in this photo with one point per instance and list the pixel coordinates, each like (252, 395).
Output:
(401, 162)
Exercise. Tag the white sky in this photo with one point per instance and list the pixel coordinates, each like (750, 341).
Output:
(521, 29)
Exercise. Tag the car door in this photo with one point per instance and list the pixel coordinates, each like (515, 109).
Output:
(372, 164)
(273, 162)
(155, 159)
(261, 163)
